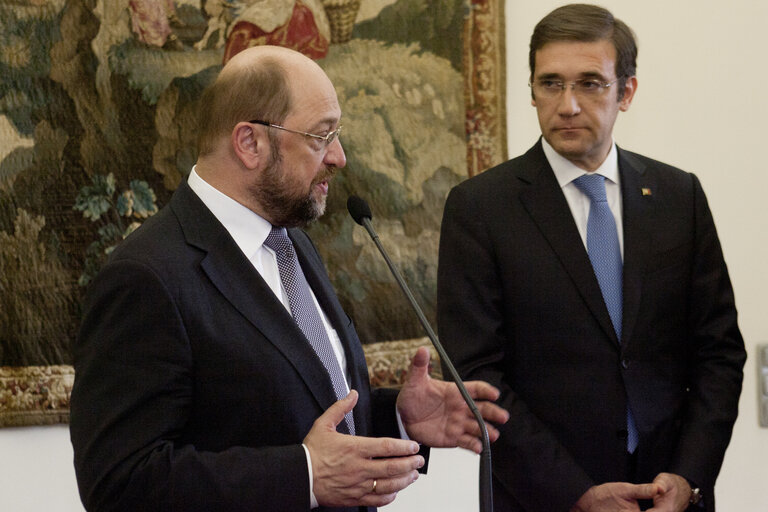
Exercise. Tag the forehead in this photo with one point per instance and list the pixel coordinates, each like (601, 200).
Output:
(314, 101)
(573, 59)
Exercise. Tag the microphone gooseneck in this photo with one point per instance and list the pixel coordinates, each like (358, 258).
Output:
(361, 213)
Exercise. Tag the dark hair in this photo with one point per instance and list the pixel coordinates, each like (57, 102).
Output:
(255, 92)
(587, 23)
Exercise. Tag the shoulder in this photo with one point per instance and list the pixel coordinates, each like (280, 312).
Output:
(155, 237)
(629, 160)
(510, 175)
(673, 189)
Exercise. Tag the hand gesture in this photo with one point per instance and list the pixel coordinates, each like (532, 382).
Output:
(434, 412)
(350, 471)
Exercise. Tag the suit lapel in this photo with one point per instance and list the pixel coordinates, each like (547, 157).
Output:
(547, 206)
(637, 188)
(234, 276)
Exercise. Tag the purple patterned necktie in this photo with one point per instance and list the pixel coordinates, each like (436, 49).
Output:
(605, 254)
(305, 313)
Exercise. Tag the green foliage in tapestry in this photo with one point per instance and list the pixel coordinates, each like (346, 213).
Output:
(118, 215)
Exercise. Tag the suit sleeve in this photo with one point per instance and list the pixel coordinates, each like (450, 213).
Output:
(527, 459)
(717, 356)
(132, 396)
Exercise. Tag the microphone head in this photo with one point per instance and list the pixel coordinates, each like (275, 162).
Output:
(358, 209)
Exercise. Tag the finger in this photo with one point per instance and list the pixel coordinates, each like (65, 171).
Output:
(481, 390)
(397, 467)
(470, 426)
(470, 443)
(493, 433)
(336, 412)
(667, 482)
(385, 447)
(394, 485)
(646, 491)
(378, 500)
(492, 412)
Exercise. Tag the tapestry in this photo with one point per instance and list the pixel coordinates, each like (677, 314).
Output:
(98, 122)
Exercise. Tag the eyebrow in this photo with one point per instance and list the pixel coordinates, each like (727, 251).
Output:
(583, 75)
(326, 123)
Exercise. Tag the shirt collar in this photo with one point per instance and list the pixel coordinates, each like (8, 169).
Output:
(565, 171)
(248, 229)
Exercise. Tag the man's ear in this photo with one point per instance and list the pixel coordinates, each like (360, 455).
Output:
(250, 144)
(630, 87)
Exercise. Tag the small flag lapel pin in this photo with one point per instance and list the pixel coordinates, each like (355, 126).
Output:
(646, 191)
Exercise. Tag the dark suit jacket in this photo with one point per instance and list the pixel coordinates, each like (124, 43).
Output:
(520, 307)
(194, 388)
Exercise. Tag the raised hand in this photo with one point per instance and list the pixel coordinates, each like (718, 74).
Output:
(434, 412)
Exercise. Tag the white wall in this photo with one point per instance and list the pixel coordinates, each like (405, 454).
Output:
(701, 106)
(36, 472)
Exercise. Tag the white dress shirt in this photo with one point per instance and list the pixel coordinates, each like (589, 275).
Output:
(579, 203)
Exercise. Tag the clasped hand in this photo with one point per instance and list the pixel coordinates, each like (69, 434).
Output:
(669, 492)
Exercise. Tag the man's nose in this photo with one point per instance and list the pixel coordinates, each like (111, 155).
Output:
(335, 155)
(568, 103)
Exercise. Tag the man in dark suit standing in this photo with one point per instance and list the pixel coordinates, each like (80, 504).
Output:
(214, 363)
(588, 284)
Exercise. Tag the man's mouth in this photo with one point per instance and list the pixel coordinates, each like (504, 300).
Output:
(323, 179)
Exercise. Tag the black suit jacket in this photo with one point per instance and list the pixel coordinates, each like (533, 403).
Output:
(194, 388)
(520, 307)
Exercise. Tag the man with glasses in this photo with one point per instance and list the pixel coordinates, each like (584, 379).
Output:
(588, 284)
(215, 368)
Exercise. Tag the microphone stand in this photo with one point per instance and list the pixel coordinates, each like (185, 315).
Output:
(486, 489)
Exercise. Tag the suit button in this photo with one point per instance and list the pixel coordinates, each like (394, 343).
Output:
(625, 363)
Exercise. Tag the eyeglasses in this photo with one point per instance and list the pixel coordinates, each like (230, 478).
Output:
(327, 139)
(585, 87)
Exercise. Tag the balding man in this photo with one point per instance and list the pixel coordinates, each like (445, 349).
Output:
(214, 363)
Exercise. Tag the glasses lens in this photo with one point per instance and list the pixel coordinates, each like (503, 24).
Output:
(332, 136)
(548, 88)
(589, 87)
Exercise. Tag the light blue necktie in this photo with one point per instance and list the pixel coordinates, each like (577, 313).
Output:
(605, 254)
(305, 312)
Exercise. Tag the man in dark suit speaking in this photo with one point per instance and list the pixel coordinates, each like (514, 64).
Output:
(588, 284)
(214, 363)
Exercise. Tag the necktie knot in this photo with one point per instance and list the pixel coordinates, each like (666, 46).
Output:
(593, 185)
(278, 240)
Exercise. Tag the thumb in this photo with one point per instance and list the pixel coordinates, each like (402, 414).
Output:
(419, 364)
(336, 412)
(647, 491)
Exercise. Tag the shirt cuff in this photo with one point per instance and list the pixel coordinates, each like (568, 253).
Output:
(400, 426)
(312, 500)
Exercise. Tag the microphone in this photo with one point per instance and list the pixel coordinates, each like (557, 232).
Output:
(361, 213)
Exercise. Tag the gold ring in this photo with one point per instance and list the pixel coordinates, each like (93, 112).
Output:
(373, 489)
